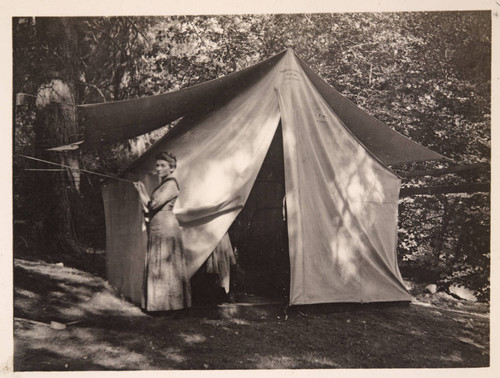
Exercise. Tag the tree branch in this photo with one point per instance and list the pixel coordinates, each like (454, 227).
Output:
(111, 38)
(137, 30)
(95, 87)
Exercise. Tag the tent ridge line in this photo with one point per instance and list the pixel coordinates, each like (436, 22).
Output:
(263, 62)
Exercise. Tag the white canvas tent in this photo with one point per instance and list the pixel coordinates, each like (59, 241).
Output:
(341, 199)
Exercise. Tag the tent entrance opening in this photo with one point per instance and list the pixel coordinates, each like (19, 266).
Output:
(259, 233)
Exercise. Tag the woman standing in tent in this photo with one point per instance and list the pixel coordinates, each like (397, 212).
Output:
(166, 284)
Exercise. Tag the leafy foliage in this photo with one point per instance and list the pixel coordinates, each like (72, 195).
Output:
(445, 239)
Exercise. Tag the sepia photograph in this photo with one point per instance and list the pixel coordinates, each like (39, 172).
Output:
(251, 191)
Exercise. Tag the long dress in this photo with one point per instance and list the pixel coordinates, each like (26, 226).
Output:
(166, 283)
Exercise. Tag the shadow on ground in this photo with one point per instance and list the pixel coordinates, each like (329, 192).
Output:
(112, 334)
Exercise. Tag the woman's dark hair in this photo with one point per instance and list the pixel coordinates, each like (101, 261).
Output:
(168, 157)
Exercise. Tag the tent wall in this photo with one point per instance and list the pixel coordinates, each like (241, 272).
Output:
(341, 204)
(126, 239)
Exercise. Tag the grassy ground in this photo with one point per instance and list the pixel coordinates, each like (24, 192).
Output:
(112, 334)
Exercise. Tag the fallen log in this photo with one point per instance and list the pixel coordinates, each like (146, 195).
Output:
(473, 168)
(475, 187)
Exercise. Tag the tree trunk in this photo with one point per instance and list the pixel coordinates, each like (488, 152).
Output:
(56, 124)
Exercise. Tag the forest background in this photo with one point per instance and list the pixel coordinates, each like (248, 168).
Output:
(425, 74)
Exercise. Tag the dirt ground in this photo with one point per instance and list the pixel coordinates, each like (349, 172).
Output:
(109, 333)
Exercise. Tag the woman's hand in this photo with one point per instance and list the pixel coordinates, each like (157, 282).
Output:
(139, 186)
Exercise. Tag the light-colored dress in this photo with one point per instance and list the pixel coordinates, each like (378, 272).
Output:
(220, 261)
(166, 283)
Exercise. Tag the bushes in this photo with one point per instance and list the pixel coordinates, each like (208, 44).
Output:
(445, 240)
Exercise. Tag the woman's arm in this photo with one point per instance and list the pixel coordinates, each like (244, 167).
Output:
(143, 194)
(163, 194)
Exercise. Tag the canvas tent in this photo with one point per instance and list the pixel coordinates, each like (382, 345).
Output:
(341, 199)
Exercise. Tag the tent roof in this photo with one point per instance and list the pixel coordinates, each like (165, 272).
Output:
(115, 121)
(389, 146)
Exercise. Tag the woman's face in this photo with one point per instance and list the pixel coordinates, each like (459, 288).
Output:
(163, 169)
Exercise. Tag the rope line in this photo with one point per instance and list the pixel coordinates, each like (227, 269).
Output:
(67, 166)
(44, 169)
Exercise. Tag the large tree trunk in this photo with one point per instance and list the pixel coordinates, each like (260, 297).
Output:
(56, 124)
